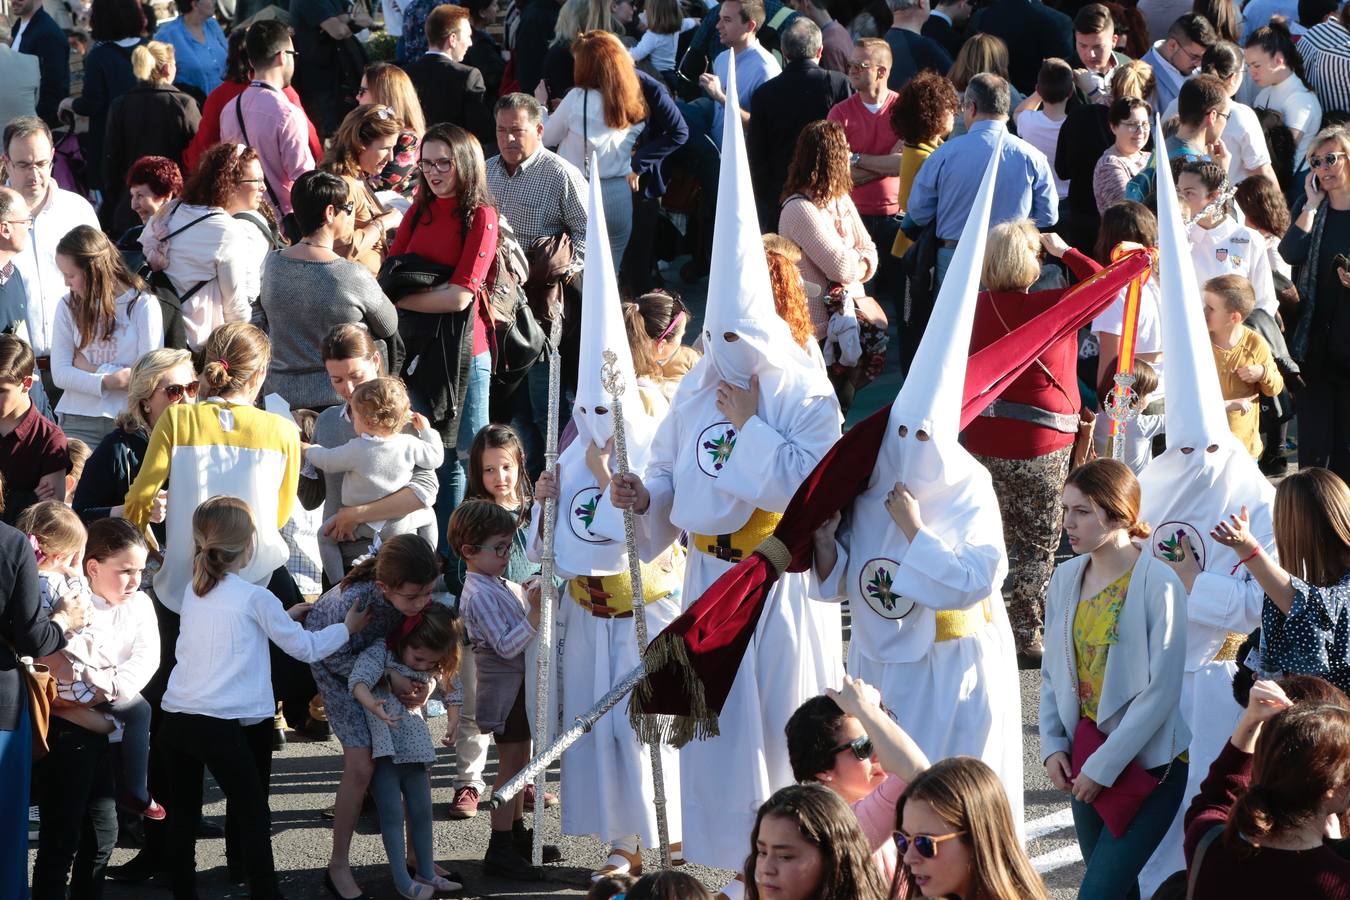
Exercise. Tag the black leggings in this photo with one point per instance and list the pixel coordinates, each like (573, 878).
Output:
(79, 813)
(240, 759)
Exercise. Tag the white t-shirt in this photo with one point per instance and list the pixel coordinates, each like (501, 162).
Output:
(1301, 110)
(661, 48)
(1148, 330)
(1042, 132)
(1243, 137)
(1233, 249)
(754, 66)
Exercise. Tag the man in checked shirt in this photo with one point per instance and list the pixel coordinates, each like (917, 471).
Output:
(540, 194)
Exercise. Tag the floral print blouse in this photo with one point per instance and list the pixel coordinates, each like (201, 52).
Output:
(1094, 631)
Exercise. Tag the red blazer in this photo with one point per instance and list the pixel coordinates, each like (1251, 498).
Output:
(1011, 438)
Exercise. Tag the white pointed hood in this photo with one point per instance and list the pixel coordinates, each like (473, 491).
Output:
(588, 539)
(929, 402)
(1195, 408)
(740, 295)
(957, 559)
(1205, 474)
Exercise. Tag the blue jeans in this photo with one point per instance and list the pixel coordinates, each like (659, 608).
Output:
(1114, 863)
(473, 418)
(16, 768)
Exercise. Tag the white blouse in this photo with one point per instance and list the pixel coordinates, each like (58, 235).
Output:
(578, 129)
(138, 328)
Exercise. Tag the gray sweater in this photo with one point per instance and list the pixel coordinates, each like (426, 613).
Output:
(374, 467)
(300, 303)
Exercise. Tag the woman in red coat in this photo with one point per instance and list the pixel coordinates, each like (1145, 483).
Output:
(1026, 436)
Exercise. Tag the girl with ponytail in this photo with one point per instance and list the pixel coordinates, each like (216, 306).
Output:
(396, 583)
(107, 322)
(1276, 66)
(1264, 808)
(1115, 654)
(218, 706)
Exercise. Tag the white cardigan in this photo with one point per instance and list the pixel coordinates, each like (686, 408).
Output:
(1139, 710)
(138, 328)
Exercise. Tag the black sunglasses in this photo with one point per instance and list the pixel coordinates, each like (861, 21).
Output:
(925, 844)
(860, 745)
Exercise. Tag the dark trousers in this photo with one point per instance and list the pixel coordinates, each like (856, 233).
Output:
(636, 273)
(240, 759)
(1324, 423)
(888, 283)
(292, 682)
(76, 799)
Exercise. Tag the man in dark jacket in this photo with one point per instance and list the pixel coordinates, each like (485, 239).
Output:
(1033, 32)
(449, 90)
(533, 36)
(946, 24)
(782, 106)
(36, 33)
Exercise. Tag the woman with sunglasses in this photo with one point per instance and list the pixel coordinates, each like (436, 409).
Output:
(309, 288)
(807, 845)
(847, 742)
(1115, 654)
(956, 838)
(1321, 233)
(363, 146)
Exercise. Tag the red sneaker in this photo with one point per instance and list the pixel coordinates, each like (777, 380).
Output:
(550, 798)
(148, 810)
(465, 804)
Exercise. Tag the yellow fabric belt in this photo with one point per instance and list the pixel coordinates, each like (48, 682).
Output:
(738, 545)
(660, 579)
(959, 623)
(1231, 644)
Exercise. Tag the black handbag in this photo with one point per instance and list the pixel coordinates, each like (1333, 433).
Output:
(518, 340)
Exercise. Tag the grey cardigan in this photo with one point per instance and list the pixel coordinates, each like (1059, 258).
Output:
(1140, 706)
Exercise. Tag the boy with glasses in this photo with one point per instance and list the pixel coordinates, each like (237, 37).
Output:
(502, 621)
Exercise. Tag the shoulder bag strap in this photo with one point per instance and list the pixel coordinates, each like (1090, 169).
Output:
(239, 114)
(1194, 877)
(585, 139)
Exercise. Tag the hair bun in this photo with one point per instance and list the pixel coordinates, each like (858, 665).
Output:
(1140, 530)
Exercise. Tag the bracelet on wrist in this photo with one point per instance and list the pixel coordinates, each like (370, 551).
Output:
(1246, 559)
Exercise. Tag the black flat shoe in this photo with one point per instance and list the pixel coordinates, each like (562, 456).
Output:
(332, 888)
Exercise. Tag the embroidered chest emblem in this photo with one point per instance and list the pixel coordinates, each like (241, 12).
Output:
(582, 515)
(1168, 546)
(714, 448)
(876, 586)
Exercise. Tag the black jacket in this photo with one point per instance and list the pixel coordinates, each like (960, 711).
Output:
(44, 39)
(148, 120)
(1033, 32)
(452, 92)
(780, 108)
(942, 31)
(24, 627)
(533, 36)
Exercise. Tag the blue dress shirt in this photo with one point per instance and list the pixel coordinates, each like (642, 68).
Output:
(948, 181)
(200, 65)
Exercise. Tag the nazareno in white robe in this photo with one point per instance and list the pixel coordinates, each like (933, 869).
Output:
(796, 651)
(1192, 492)
(606, 775)
(957, 697)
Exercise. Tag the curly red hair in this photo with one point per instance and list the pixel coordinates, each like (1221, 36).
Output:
(789, 297)
(819, 169)
(218, 174)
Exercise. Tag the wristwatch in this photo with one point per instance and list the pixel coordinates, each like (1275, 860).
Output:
(854, 158)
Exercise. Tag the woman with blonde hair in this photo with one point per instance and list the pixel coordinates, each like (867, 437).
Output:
(955, 834)
(153, 118)
(818, 216)
(602, 117)
(1027, 436)
(107, 322)
(1115, 656)
(360, 151)
(385, 84)
(981, 54)
(576, 18)
(159, 379)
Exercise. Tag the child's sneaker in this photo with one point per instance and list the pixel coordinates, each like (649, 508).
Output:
(465, 804)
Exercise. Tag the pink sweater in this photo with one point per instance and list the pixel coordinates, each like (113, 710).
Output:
(836, 249)
(870, 134)
(876, 815)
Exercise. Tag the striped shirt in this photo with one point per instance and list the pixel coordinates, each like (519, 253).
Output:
(1326, 59)
(494, 615)
(546, 196)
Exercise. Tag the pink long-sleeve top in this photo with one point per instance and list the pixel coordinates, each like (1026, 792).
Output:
(836, 248)
(876, 815)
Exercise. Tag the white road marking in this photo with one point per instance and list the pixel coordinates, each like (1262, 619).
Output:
(1056, 821)
(1057, 859)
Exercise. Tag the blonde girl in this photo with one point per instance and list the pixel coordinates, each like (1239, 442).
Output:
(107, 321)
(218, 706)
(425, 648)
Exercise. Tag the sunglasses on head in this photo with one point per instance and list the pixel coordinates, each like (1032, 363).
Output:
(925, 844)
(860, 745)
(177, 391)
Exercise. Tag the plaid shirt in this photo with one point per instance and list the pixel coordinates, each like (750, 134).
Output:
(494, 616)
(546, 196)
(301, 534)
